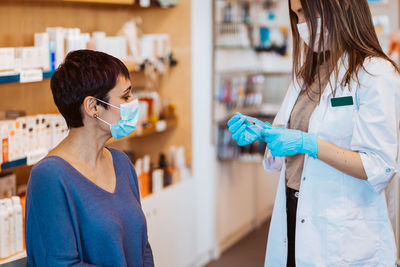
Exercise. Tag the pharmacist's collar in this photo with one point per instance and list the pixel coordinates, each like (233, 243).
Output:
(342, 65)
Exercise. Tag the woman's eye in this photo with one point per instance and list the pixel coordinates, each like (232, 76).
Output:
(126, 97)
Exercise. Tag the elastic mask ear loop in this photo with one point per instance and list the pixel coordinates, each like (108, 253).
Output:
(107, 103)
(97, 117)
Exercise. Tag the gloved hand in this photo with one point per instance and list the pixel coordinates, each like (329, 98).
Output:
(243, 131)
(286, 142)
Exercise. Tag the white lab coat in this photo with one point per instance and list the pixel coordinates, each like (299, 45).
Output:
(341, 220)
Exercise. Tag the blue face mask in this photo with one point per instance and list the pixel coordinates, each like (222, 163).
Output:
(129, 119)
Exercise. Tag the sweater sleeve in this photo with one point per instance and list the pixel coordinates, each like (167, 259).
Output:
(148, 260)
(50, 232)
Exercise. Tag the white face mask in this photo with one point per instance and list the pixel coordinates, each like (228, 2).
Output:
(305, 35)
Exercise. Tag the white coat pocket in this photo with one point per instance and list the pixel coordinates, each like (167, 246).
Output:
(337, 125)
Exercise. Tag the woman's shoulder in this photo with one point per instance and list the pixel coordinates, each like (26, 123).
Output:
(376, 66)
(120, 155)
(49, 164)
(49, 171)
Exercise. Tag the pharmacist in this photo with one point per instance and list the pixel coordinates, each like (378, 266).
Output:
(335, 140)
(83, 205)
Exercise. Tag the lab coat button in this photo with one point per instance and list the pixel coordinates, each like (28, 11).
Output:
(388, 170)
(302, 221)
(304, 178)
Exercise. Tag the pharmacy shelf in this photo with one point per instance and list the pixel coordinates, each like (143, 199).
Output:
(231, 60)
(16, 77)
(16, 257)
(234, 47)
(153, 128)
(117, 2)
(12, 164)
(148, 200)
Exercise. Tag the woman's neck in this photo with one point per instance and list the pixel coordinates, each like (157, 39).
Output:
(82, 145)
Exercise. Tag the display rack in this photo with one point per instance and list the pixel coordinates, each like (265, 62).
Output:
(119, 2)
(48, 74)
(153, 128)
(16, 77)
(19, 256)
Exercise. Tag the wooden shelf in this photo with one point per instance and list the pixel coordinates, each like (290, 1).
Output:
(133, 3)
(115, 2)
(150, 130)
(16, 77)
(12, 164)
(18, 256)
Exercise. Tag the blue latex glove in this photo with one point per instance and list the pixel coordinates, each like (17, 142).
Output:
(243, 131)
(286, 142)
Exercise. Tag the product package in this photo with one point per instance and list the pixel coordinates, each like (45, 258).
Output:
(8, 184)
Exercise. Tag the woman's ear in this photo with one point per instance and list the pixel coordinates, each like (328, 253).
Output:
(90, 106)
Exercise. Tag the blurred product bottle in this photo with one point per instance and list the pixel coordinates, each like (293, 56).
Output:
(168, 171)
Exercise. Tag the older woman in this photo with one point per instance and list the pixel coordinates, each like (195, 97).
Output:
(83, 204)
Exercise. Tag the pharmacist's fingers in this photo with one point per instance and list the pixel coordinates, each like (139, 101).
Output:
(234, 127)
(234, 119)
(239, 133)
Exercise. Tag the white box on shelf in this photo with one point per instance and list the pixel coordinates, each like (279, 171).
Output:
(28, 58)
(7, 56)
(4, 141)
(98, 38)
(8, 184)
(158, 178)
(42, 43)
(23, 136)
(57, 35)
(12, 144)
(41, 131)
(31, 75)
(148, 47)
(34, 157)
(161, 126)
(31, 140)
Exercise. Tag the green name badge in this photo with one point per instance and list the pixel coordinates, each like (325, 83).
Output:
(342, 101)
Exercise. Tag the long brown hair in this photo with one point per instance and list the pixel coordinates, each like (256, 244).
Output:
(350, 31)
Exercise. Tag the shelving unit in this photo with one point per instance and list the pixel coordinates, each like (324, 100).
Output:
(13, 164)
(22, 18)
(238, 170)
(150, 130)
(48, 74)
(153, 205)
(16, 257)
(16, 77)
(116, 2)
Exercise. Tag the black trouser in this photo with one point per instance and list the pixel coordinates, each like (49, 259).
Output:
(291, 209)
